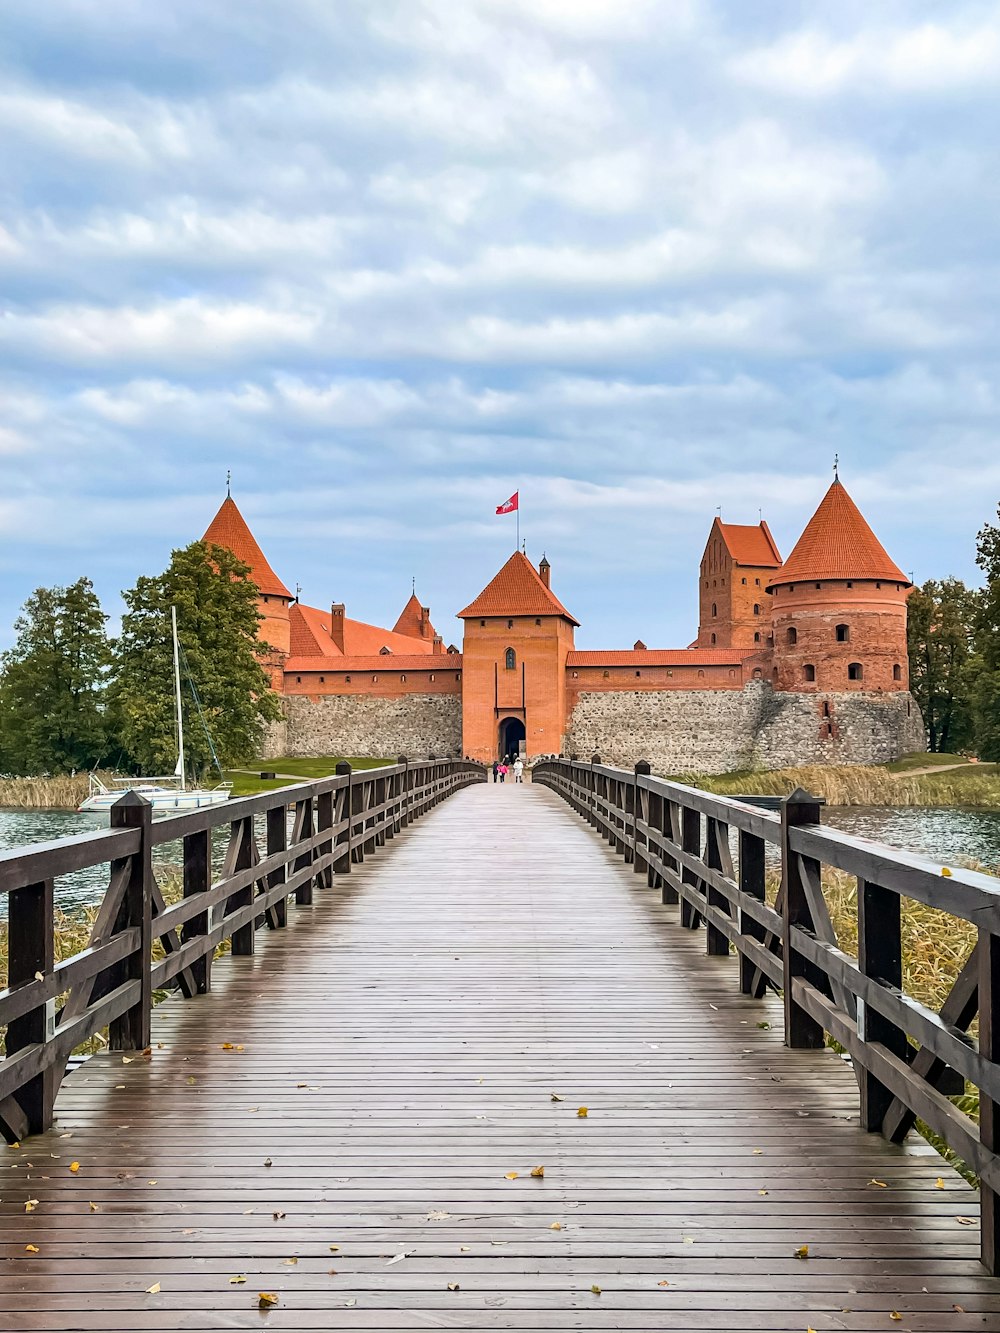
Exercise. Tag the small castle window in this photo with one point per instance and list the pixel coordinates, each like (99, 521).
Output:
(897, 672)
(510, 624)
(850, 584)
(638, 673)
(757, 582)
(774, 673)
(715, 609)
(713, 583)
(458, 675)
(432, 675)
(374, 680)
(538, 620)
(756, 608)
(855, 671)
(713, 645)
(843, 633)
(402, 680)
(756, 637)
(576, 675)
(482, 624)
(792, 634)
(322, 680)
(743, 581)
(758, 674)
(826, 707)
(298, 680)
(510, 659)
(878, 585)
(347, 680)
(267, 599)
(701, 673)
(808, 672)
(606, 674)
(722, 582)
(819, 585)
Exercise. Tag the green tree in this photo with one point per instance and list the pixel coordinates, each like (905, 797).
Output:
(52, 683)
(217, 623)
(941, 620)
(986, 677)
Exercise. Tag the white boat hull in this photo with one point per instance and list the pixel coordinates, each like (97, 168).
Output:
(160, 798)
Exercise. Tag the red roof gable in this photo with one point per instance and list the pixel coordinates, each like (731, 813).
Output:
(229, 529)
(412, 622)
(517, 590)
(750, 544)
(310, 636)
(838, 544)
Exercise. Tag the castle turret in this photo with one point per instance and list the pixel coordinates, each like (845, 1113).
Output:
(838, 607)
(229, 529)
(738, 562)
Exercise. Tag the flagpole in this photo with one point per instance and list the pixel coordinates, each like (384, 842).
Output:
(517, 527)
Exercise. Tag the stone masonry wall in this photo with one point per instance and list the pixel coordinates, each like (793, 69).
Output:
(716, 731)
(415, 725)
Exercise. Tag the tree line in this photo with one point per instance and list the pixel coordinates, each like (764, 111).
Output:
(74, 698)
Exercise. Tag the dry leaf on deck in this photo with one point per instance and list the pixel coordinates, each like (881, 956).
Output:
(74, 1167)
(32, 1249)
(191, 1078)
(537, 1172)
(939, 1183)
(554, 1098)
(802, 1252)
(289, 1261)
(556, 1226)
(894, 1314)
(277, 1216)
(663, 1283)
(762, 1193)
(582, 1112)
(227, 1046)
(453, 1286)
(511, 1175)
(93, 1207)
(31, 1204)
(153, 1290)
(39, 976)
(596, 1289)
(265, 1299)
(333, 1248)
(351, 1300)
(437, 1215)
(397, 1257)
(879, 1183)
(966, 1221)
(238, 1279)
(267, 1161)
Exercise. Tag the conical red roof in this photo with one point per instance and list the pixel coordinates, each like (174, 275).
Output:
(411, 621)
(838, 544)
(517, 590)
(229, 529)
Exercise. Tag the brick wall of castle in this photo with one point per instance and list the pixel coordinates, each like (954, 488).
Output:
(706, 731)
(372, 726)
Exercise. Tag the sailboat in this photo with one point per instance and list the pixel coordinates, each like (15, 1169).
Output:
(167, 794)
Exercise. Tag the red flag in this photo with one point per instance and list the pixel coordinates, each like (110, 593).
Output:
(508, 506)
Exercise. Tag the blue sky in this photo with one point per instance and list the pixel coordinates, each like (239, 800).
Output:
(389, 260)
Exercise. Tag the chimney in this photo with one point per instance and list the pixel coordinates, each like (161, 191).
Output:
(337, 624)
(438, 644)
(545, 571)
(425, 621)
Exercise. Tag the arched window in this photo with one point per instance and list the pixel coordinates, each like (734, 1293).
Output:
(758, 674)
(743, 580)
(510, 624)
(843, 633)
(510, 659)
(897, 672)
(855, 671)
(792, 634)
(756, 609)
(774, 673)
(756, 637)
(713, 640)
(808, 672)
(715, 609)
(701, 673)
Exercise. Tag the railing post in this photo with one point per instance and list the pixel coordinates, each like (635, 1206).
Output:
(342, 841)
(752, 883)
(404, 796)
(131, 1031)
(801, 1031)
(716, 943)
(669, 824)
(690, 843)
(197, 873)
(31, 946)
(880, 956)
(989, 1110)
(277, 841)
(324, 820)
(592, 801)
(640, 814)
(243, 936)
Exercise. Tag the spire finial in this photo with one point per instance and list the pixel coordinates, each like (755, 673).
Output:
(298, 592)
(413, 588)
(524, 547)
(229, 481)
(836, 467)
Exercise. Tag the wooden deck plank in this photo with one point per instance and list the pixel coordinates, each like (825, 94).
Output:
(402, 1041)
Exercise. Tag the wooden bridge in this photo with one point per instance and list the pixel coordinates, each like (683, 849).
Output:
(491, 1078)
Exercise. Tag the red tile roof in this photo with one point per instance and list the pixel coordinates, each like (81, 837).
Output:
(517, 590)
(652, 657)
(838, 544)
(750, 544)
(310, 636)
(412, 623)
(390, 662)
(229, 529)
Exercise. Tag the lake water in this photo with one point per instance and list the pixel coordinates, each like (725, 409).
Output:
(947, 835)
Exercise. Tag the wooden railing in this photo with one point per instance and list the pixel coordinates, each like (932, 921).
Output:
(908, 1059)
(312, 831)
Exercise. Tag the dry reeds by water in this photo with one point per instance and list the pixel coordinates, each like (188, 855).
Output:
(859, 785)
(63, 793)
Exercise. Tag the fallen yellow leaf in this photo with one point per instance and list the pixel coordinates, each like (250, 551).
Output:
(30, 1205)
(757, 1152)
(453, 1286)
(894, 1314)
(879, 1183)
(556, 1226)
(762, 1193)
(939, 1183)
(152, 1182)
(663, 1283)
(265, 1299)
(947, 874)
(74, 1167)
(289, 1261)
(596, 1289)
(802, 1252)
(153, 1290)
(582, 1112)
(465, 1248)
(32, 1249)
(538, 1172)
(554, 1098)
(511, 1175)
(227, 1046)
(93, 1207)
(334, 1248)
(237, 1280)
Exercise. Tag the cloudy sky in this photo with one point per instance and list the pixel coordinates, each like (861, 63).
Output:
(389, 260)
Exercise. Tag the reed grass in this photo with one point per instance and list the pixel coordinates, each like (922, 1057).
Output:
(860, 785)
(63, 793)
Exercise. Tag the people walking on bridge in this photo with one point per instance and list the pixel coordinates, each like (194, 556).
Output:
(496, 769)
(518, 769)
(503, 768)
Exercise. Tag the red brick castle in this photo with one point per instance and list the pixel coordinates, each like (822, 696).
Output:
(796, 661)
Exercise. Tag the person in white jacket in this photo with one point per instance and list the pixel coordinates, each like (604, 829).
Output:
(518, 769)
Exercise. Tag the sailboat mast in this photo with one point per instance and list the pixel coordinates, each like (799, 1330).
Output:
(177, 698)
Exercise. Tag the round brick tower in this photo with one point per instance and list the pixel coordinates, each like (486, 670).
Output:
(838, 607)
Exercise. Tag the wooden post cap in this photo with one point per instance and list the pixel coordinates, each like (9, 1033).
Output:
(642, 766)
(342, 768)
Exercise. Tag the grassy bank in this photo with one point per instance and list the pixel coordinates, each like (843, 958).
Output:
(972, 785)
(248, 782)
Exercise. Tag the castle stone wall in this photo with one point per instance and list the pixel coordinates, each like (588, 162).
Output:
(370, 727)
(705, 731)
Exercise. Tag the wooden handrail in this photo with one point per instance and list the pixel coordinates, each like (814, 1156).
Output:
(337, 822)
(908, 1059)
